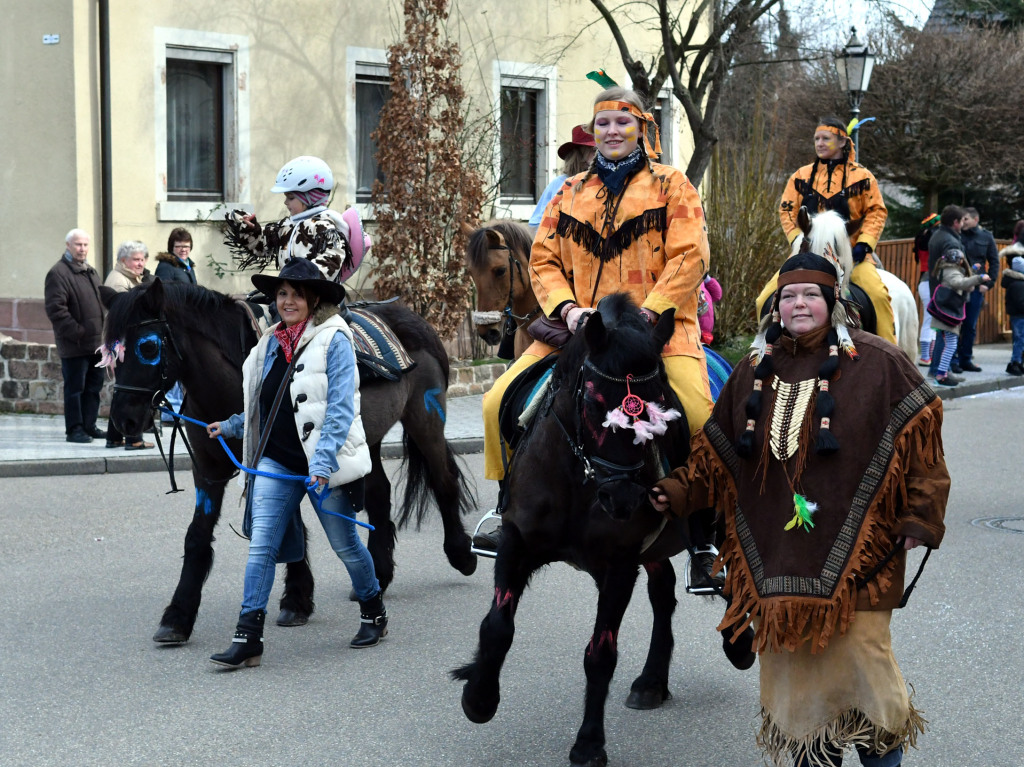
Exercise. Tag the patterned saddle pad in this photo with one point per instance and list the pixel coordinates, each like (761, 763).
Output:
(379, 352)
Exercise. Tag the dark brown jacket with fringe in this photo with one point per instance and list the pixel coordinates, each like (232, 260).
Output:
(888, 479)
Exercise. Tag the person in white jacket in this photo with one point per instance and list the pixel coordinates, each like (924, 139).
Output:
(315, 439)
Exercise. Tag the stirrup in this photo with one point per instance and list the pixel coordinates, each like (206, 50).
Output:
(703, 590)
(492, 514)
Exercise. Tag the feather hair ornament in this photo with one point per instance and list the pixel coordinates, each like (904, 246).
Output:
(803, 510)
(601, 78)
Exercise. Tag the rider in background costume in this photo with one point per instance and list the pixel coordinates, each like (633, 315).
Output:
(836, 181)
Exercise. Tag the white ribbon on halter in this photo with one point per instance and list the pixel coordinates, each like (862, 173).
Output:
(486, 318)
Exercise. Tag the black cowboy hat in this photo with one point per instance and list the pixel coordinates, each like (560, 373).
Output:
(300, 271)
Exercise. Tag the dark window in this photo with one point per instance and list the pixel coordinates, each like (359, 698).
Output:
(195, 130)
(519, 149)
(372, 92)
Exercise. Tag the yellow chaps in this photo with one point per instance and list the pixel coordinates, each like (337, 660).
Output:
(866, 276)
(688, 377)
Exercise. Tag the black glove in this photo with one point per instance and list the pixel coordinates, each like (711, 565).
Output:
(860, 252)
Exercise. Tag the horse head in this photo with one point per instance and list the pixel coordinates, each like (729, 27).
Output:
(828, 230)
(498, 259)
(627, 413)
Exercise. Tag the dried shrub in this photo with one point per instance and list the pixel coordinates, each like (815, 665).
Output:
(429, 188)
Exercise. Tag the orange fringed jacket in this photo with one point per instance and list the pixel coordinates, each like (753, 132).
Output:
(888, 479)
(656, 250)
(859, 198)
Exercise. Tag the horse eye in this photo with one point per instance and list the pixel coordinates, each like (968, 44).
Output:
(149, 350)
(501, 271)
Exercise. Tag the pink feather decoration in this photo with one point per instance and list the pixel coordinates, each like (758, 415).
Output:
(616, 419)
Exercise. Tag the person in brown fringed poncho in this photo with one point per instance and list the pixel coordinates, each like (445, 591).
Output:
(825, 457)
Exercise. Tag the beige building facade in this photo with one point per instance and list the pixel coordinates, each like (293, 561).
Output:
(201, 103)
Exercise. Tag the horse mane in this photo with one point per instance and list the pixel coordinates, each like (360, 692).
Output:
(517, 236)
(187, 306)
(630, 350)
(828, 228)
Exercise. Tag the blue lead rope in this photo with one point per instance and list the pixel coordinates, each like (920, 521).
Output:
(316, 498)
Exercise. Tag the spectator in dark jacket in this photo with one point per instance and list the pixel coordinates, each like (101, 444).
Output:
(175, 265)
(983, 256)
(1013, 284)
(73, 305)
(945, 237)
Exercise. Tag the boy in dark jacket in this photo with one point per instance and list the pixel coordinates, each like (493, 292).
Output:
(1013, 284)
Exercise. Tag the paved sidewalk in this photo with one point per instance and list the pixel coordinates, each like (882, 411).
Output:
(33, 445)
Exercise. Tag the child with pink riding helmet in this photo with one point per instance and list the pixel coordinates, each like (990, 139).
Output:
(334, 242)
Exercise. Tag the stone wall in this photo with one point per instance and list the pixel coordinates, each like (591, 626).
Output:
(31, 382)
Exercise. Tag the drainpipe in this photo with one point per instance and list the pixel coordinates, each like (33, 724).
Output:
(106, 169)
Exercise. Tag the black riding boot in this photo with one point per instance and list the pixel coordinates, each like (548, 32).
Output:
(373, 624)
(247, 644)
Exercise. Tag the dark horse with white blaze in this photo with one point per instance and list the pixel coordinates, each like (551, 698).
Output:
(577, 493)
(175, 332)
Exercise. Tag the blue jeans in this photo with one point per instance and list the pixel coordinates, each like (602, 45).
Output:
(969, 327)
(1017, 326)
(273, 503)
(83, 382)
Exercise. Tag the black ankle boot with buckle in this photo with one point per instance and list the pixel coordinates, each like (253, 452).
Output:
(373, 625)
(247, 643)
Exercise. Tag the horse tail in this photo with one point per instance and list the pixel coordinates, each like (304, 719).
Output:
(449, 488)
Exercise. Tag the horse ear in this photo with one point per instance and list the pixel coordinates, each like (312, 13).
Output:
(803, 220)
(153, 297)
(468, 228)
(595, 333)
(108, 295)
(665, 327)
(494, 239)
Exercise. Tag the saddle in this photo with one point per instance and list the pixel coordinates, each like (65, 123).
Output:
(379, 353)
(518, 397)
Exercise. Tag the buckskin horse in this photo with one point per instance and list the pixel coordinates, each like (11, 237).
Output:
(184, 332)
(577, 493)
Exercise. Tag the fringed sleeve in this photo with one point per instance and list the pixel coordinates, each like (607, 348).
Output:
(252, 247)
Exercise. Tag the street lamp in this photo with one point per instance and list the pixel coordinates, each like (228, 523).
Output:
(854, 66)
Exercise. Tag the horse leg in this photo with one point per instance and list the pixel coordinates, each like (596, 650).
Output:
(512, 572)
(179, 616)
(381, 541)
(297, 600)
(431, 464)
(650, 689)
(614, 591)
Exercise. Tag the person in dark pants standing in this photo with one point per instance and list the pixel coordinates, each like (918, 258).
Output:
(983, 256)
(946, 237)
(73, 305)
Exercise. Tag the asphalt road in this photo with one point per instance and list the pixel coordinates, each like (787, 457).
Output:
(87, 564)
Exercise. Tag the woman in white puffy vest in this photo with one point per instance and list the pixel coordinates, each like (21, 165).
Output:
(316, 432)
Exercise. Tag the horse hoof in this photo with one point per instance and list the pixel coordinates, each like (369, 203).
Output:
(169, 635)
(477, 716)
(292, 618)
(600, 759)
(647, 699)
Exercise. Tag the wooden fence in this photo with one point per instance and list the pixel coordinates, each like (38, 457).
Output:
(897, 256)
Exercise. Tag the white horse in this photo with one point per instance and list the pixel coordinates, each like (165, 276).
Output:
(829, 228)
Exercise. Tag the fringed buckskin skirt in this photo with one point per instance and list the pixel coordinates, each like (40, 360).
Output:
(850, 694)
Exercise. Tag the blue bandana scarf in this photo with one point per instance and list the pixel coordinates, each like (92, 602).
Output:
(615, 174)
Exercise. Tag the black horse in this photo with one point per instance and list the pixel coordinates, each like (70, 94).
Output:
(187, 333)
(592, 511)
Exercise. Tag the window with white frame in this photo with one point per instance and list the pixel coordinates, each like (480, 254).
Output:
(525, 115)
(373, 87)
(201, 123)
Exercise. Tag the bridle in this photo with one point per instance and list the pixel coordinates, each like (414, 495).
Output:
(596, 468)
(513, 322)
(164, 337)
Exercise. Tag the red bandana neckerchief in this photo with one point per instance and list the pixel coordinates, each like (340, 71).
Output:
(289, 337)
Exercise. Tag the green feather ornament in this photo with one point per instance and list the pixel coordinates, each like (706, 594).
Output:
(803, 510)
(602, 79)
